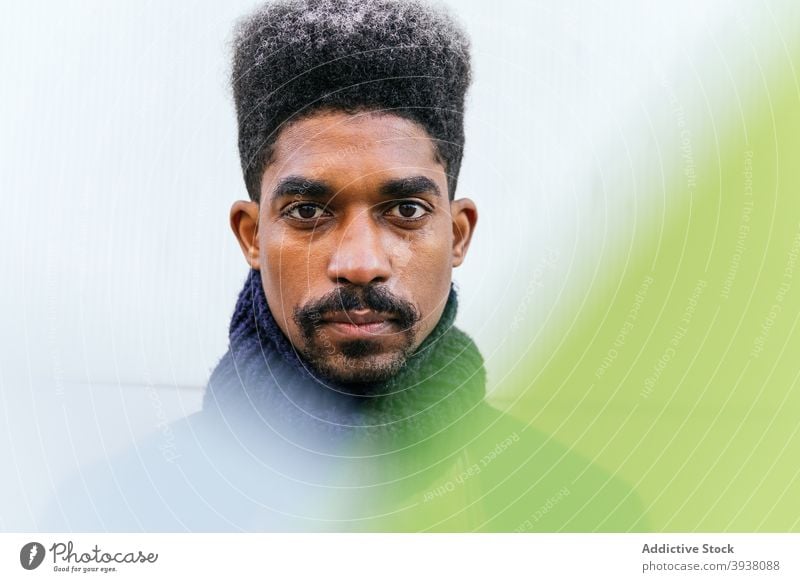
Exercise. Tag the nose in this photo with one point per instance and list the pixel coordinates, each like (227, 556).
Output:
(360, 257)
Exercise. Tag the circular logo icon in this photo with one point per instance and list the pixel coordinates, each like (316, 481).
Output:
(31, 555)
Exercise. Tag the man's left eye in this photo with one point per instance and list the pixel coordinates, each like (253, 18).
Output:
(408, 210)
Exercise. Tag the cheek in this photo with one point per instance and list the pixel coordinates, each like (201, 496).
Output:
(287, 271)
(426, 273)
(291, 262)
(427, 254)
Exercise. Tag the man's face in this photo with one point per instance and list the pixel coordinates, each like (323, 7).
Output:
(355, 238)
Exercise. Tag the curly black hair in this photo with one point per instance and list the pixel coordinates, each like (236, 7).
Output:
(296, 57)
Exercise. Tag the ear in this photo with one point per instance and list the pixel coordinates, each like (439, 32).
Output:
(244, 222)
(465, 217)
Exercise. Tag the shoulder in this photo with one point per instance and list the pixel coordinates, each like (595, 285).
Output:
(532, 482)
(204, 474)
(158, 484)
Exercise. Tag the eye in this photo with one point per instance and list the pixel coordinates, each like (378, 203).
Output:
(408, 210)
(305, 211)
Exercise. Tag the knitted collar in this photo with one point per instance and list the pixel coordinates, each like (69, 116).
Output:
(262, 378)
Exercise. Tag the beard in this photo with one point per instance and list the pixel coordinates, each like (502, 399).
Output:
(359, 363)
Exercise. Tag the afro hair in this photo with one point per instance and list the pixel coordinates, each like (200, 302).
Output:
(296, 57)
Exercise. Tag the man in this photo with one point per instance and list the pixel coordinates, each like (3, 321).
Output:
(347, 400)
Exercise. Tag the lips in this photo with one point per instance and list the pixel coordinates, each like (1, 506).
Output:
(359, 317)
(360, 323)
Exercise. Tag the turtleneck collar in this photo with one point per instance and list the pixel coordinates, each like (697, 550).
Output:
(262, 377)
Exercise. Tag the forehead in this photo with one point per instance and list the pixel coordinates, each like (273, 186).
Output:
(363, 143)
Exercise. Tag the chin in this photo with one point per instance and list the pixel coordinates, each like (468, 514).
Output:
(362, 374)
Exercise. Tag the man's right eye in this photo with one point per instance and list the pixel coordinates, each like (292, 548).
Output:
(305, 211)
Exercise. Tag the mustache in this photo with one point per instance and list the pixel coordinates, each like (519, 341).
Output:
(376, 297)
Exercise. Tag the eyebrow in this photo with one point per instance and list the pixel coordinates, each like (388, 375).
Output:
(299, 186)
(399, 188)
(409, 187)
